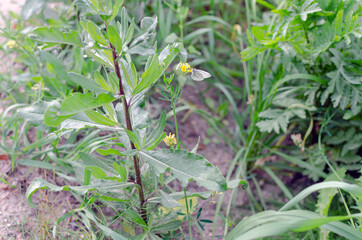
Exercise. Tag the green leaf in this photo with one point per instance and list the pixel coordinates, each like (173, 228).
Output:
(150, 76)
(134, 139)
(115, 10)
(40, 183)
(307, 8)
(236, 183)
(54, 35)
(99, 56)
(96, 172)
(141, 44)
(209, 18)
(41, 142)
(169, 53)
(85, 6)
(251, 52)
(157, 131)
(338, 23)
(100, 80)
(81, 120)
(122, 171)
(326, 196)
(129, 33)
(111, 151)
(134, 75)
(351, 188)
(126, 75)
(86, 83)
(344, 87)
(107, 231)
(134, 217)
(166, 227)
(92, 161)
(96, 33)
(156, 142)
(74, 104)
(35, 112)
(55, 66)
(100, 119)
(87, 176)
(186, 167)
(276, 119)
(114, 38)
(272, 223)
(97, 5)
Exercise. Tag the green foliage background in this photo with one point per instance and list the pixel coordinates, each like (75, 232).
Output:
(279, 68)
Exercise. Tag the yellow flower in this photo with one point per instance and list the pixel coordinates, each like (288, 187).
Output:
(185, 67)
(37, 86)
(170, 140)
(11, 43)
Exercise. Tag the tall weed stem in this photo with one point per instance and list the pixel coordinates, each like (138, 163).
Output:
(136, 163)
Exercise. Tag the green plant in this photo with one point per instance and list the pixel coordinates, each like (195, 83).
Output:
(299, 82)
(109, 99)
(307, 42)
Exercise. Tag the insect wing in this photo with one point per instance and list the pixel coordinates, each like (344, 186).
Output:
(199, 75)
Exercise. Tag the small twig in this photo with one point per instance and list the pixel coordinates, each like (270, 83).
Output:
(156, 191)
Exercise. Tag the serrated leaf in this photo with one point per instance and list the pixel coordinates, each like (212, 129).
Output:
(307, 8)
(251, 52)
(186, 167)
(277, 119)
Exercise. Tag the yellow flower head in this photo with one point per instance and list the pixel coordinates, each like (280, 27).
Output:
(185, 67)
(170, 140)
(11, 43)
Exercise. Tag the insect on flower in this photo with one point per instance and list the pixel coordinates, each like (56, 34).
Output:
(196, 74)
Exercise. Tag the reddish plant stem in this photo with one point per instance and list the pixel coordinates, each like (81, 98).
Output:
(136, 162)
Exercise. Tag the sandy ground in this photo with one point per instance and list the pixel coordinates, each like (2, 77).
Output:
(10, 5)
(14, 210)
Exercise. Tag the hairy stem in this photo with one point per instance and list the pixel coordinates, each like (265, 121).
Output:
(127, 116)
